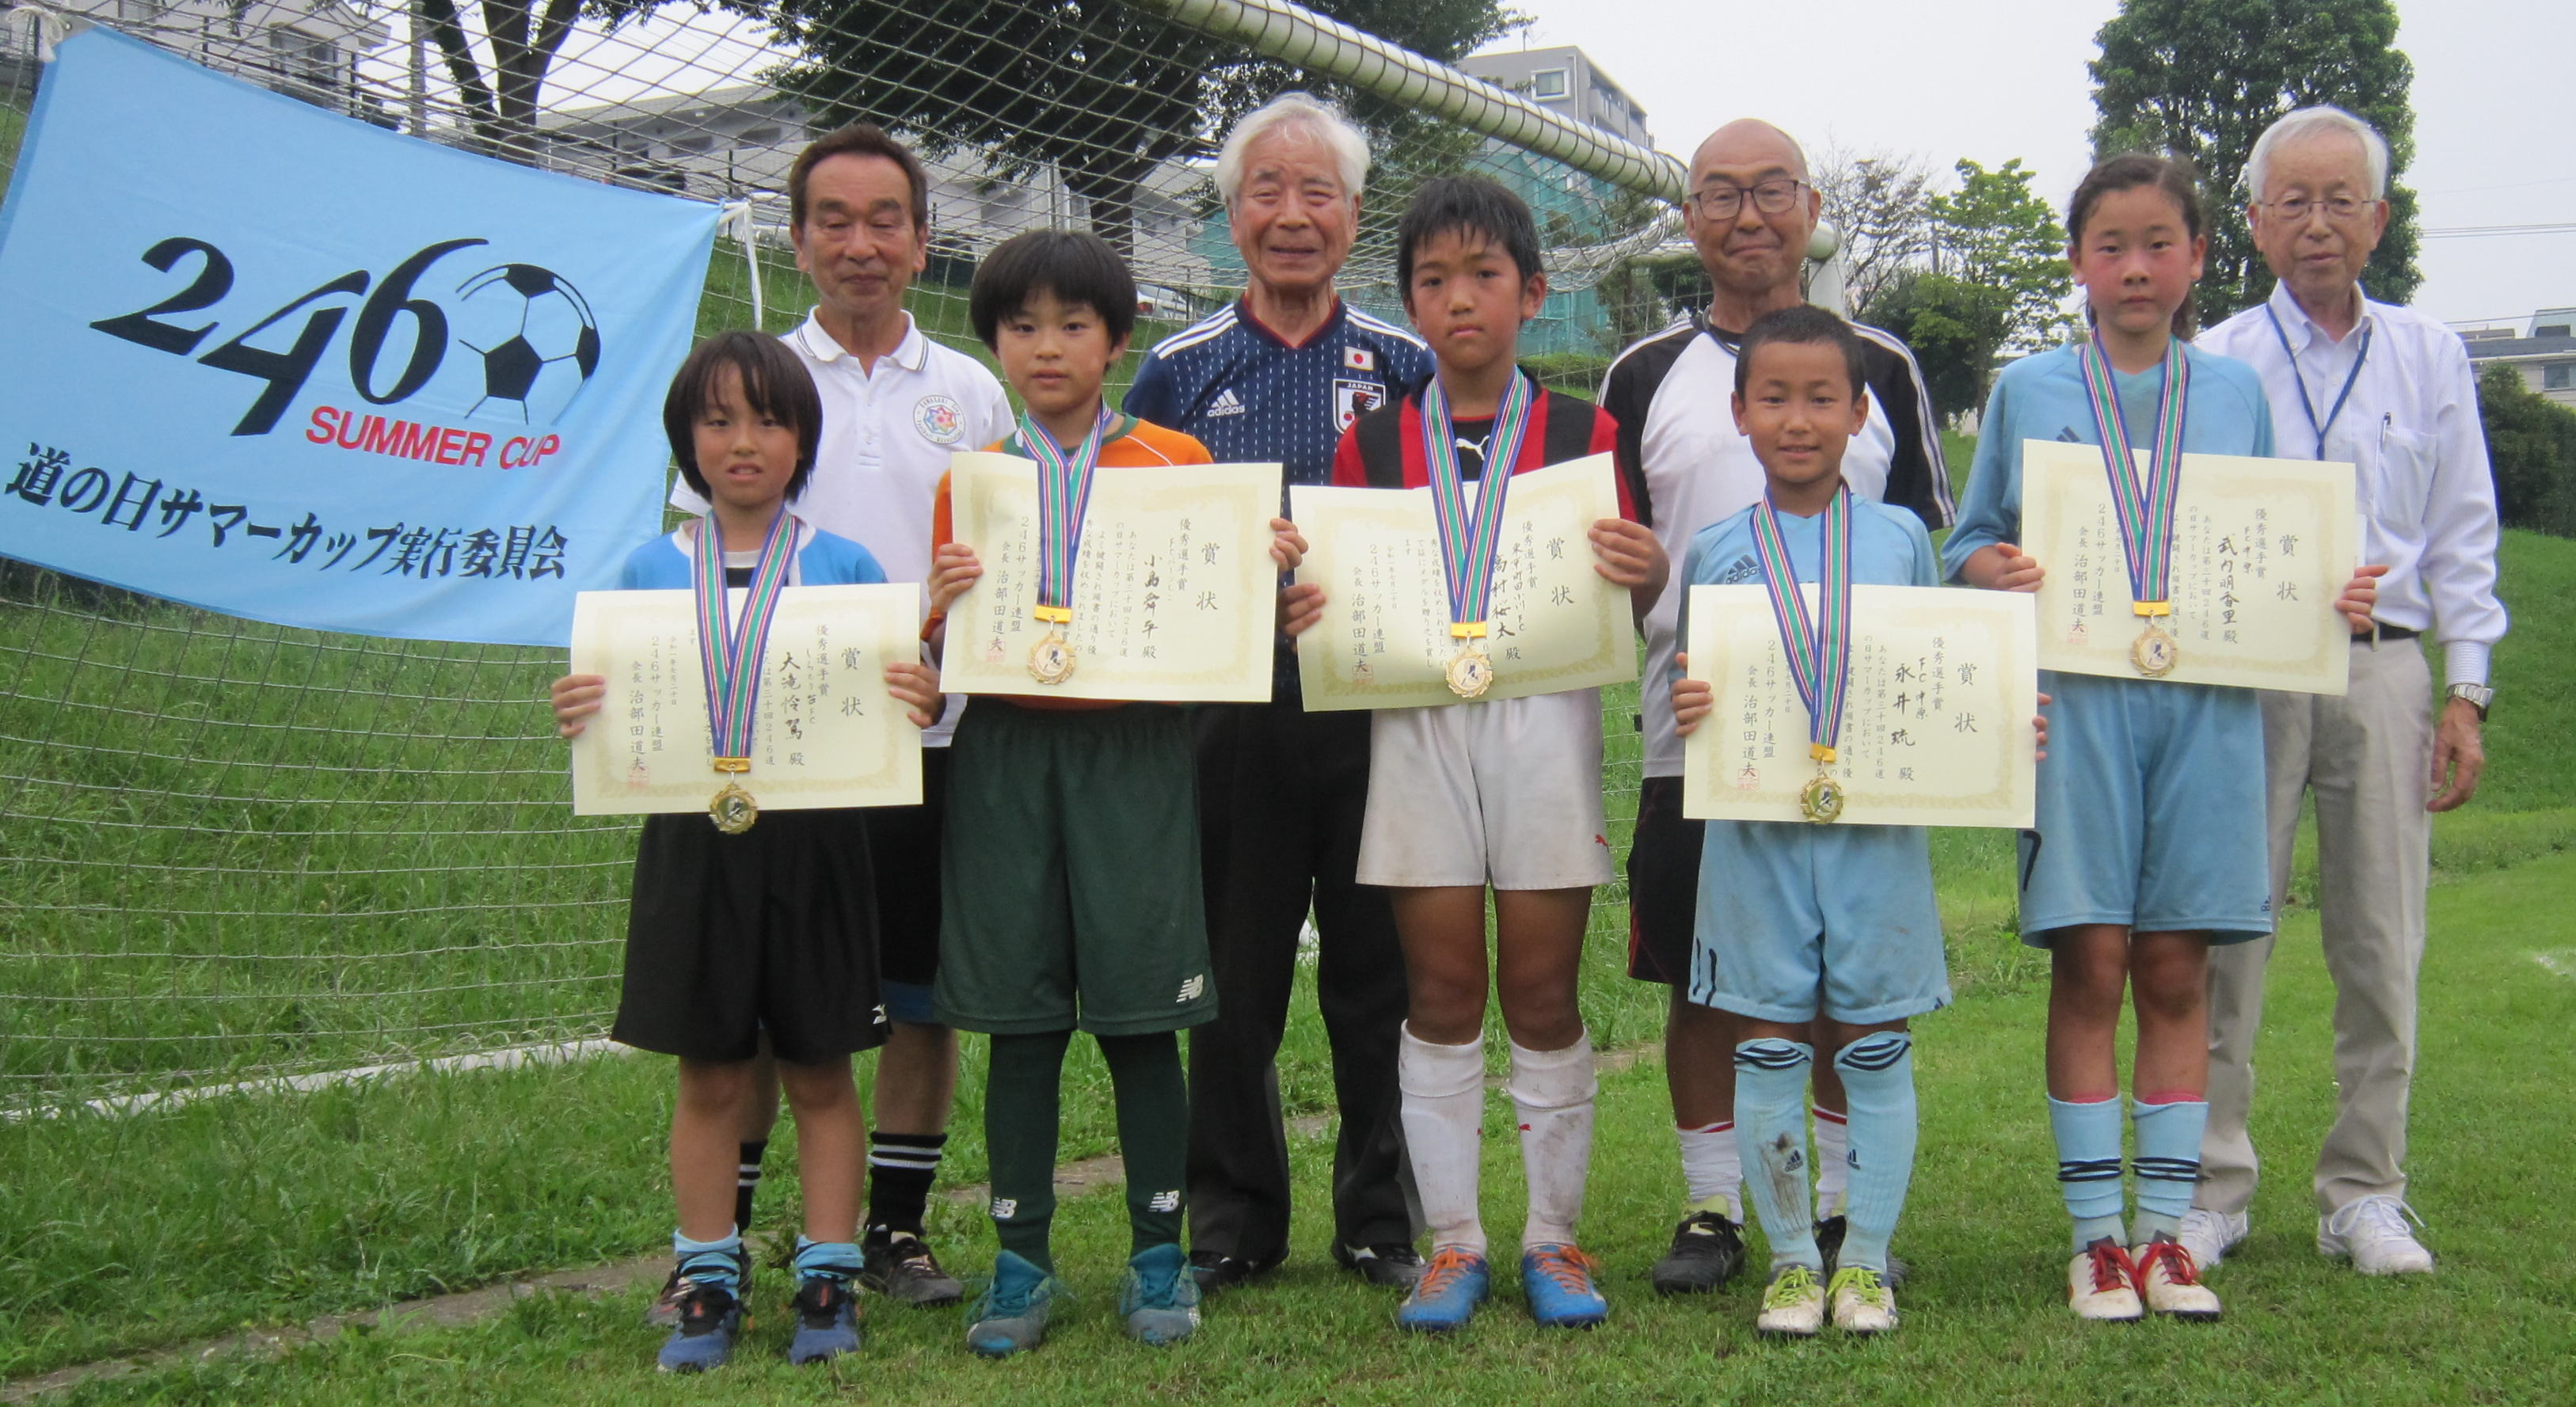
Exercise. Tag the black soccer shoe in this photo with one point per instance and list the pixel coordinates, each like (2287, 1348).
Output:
(664, 1311)
(1393, 1264)
(1223, 1272)
(1829, 1240)
(902, 1269)
(1707, 1251)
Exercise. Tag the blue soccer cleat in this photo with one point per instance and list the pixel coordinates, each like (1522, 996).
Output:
(1160, 1299)
(827, 1320)
(1446, 1296)
(1558, 1280)
(710, 1319)
(1012, 1315)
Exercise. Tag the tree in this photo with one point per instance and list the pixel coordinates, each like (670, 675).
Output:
(1101, 91)
(1880, 203)
(2004, 241)
(501, 108)
(2531, 448)
(2201, 79)
(1955, 327)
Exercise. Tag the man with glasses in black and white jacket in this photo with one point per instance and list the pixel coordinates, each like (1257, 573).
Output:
(1751, 211)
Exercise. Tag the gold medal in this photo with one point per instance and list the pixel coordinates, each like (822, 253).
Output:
(1471, 671)
(2154, 652)
(733, 810)
(1822, 800)
(1051, 659)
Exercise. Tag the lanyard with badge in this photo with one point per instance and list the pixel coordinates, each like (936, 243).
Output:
(2144, 507)
(2305, 404)
(1469, 536)
(1064, 493)
(729, 652)
(1819, 648)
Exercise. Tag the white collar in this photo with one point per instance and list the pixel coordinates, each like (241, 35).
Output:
(909, 354)
(2303, 329)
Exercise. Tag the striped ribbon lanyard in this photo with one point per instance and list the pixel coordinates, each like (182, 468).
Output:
(1470, 538)
(730, 647)
(1818, 646)
(2145, 508)
(1064, 491)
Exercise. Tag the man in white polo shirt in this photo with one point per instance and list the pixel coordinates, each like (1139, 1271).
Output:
(895, 406)
(2387, 390)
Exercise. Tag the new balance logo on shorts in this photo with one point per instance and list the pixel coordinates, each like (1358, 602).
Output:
(1192, 990)
(1225, 403)
(1164, 1202)
(1005, 1208)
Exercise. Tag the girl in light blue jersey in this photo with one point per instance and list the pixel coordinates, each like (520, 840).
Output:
(2150, 838)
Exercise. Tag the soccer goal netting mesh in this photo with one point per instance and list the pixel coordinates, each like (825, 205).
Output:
(234, 851)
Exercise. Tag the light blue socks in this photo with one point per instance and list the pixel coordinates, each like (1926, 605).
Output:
(711, 1262)
(1771, 1132)
(2088, 1166)
(2167, 1165)
(1878, 1077)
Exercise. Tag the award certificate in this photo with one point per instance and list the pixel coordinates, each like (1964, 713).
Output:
(2261, 549)
(1936, 721)
(827, 734)
(1384, 641)
(1175, 598)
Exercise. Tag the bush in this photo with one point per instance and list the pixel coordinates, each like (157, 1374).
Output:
(2531, 448)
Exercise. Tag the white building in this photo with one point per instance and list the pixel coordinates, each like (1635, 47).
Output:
(1565, 81)
(2543, 351)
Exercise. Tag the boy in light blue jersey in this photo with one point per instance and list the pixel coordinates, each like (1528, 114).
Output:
(1798, 920)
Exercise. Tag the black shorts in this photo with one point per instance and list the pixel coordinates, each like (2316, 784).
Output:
(1663, 885)
(903, 850)
(732, 935)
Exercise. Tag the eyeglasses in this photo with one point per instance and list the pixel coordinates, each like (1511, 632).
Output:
(1720, 200)
(2341, 209)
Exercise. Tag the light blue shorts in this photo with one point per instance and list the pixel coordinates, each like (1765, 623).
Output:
(2150, 811)
(1797, 918)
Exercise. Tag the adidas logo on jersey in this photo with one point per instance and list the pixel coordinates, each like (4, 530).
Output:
(1164, 1202)
(1225, 404)
(1192, 990)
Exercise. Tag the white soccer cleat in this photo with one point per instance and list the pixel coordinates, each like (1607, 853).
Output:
(2209, 1236)
(2373, 1231)
(2169, 1283)
(1862, 1302)
(1794, 1305)
(2101, 1285)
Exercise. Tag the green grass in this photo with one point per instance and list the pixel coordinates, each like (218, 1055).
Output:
(1983, 1321)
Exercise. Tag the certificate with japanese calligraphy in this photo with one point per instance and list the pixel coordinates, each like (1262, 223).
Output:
(828, 733)
(1936, 720)
(1175, 597)
(1384, 641)
(2261, 549)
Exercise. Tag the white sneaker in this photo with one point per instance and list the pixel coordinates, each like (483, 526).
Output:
(1862, 1302)
(2372, 1230)
(2101, 1285)
(1794, 1305)
(2169, 1283)
(2209, 1236)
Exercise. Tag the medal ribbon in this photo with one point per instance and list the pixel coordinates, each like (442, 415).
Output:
(1819, 649)
(2361, 357)
(729, 650)
(1468, 540)
(1064, 491)
(2145, 508)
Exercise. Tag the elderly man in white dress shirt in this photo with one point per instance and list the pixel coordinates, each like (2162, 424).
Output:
(2388, 390)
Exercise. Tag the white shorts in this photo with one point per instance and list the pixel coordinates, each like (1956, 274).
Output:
(1506, 793)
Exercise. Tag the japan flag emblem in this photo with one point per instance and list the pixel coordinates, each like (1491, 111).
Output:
(1359, 359)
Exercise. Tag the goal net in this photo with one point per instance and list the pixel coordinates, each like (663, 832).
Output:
(232, 851)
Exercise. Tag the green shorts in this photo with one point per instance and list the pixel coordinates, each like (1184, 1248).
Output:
(1070, 874)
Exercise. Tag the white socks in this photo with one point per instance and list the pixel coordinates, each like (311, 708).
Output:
(1552, 1091)
(1444, 1106)
(1713, 1169)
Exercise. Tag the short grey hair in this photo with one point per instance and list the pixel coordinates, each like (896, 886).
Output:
(2316, 122)
(1288, 112)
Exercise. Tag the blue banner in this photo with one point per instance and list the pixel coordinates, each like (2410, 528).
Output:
(274, 362)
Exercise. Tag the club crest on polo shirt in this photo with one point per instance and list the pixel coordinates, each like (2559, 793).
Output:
(1353, 399)
(1226, 403)
(939, 419)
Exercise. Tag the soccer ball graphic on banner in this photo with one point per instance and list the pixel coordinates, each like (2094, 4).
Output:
(534, 340)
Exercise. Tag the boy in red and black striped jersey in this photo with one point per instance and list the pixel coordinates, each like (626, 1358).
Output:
(1505, 793)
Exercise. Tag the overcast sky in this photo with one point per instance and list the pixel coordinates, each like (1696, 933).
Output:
(1995, 79)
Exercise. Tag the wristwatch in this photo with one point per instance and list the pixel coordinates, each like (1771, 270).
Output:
(2478, 695)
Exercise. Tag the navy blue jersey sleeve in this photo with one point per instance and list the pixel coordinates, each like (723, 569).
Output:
(1155, 396)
